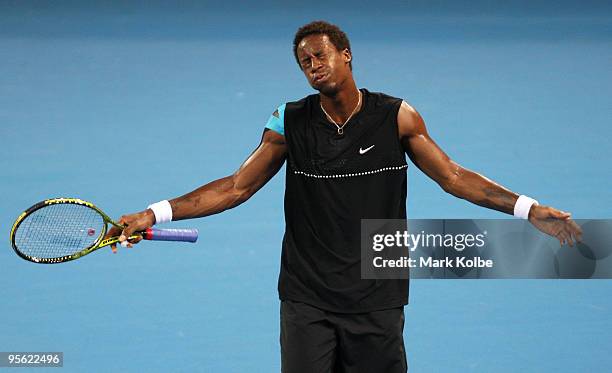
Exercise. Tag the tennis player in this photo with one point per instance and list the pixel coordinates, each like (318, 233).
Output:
(345, 150)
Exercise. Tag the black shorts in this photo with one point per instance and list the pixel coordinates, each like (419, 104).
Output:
(317, 341)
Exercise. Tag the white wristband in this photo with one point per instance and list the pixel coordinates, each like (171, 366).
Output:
(162, 211)
(523, 205)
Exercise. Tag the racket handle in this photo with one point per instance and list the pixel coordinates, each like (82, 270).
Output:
(184, 235)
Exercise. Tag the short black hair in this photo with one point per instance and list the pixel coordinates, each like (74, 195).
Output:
(333, 32)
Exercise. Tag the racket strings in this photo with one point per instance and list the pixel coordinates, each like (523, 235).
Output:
(58, 230)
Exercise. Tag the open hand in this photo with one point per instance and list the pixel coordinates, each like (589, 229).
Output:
(555, 223)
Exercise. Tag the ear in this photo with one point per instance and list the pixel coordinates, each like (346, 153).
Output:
(348, 57)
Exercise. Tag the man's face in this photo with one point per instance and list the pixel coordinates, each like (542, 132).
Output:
(325, 67)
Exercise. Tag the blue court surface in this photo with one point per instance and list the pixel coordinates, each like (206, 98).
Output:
(125, 104)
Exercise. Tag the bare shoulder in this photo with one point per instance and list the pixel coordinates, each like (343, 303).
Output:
(409, 121)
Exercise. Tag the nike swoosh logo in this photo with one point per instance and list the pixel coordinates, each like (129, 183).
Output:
(363, 151)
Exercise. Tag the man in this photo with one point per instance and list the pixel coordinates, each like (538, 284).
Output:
(345, 150)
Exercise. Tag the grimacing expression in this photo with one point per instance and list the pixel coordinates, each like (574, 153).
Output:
(325, 67)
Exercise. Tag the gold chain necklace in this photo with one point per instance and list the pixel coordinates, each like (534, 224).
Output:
(341, 127)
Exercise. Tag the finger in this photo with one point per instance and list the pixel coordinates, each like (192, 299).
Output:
(114, 231)
(567, 236)
(570, 239)
(560, 237)
(127, 244)
(125, 227)
(127, 232)
(132, 241)
(561, 241)
(576, 230)
(136, 240)
(563, 237)
(122, 220)
(571, 231)
(577, 237)
(114, 248)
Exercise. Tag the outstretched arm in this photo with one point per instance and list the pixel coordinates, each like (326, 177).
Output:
(472, 186)
(221, 194)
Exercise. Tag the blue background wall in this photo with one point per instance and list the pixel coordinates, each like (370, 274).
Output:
(124, 104)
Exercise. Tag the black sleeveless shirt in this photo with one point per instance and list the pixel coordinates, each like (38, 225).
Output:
(332, 182)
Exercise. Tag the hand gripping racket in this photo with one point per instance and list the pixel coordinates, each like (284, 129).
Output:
(63, 229)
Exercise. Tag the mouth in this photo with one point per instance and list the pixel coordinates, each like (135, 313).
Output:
(317, 78)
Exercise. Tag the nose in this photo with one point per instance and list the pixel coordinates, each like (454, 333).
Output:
(315, 63)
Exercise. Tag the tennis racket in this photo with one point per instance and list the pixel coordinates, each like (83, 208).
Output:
(63, 229)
